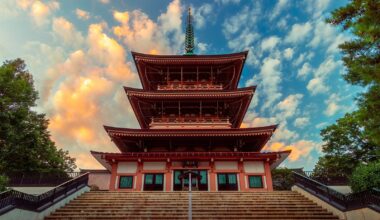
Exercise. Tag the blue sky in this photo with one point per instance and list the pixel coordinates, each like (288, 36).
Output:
(79, 55)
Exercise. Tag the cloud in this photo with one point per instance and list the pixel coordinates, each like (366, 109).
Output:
(280, 6)
(300, 149)
(269, 80)
(67, 32)
(305, 70)
(301, 122)
(82, 14)
(104, 1)
(298, 33)
(225, 2)
(332, 104)
(316, 8)
(38, 10)
(202, 47)
(269, 43)
(318, 84)
(288, 53)
(201, 14)
(289, 106)
(142, 34)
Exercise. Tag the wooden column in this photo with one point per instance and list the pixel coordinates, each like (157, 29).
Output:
(139, 176)
(213, 186)
(268, 176)
(243, 187)
(168, 177)
(113, 176)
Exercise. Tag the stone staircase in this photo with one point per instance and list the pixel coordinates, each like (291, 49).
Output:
(205, 205)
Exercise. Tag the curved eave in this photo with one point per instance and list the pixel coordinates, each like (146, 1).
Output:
(233, 132)
(189, 59)
(275, 158)
(141, 93)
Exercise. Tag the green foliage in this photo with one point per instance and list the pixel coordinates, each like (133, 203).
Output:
(345, 146)
(355, 138)
(282, 179)
(362, 54)
(3, 183)
(366, 177)
(25, 144)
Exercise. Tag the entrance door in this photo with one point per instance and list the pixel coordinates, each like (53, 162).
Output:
(154, 182)
(202, 181)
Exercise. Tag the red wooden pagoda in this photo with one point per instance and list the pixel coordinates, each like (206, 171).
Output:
(190, 112)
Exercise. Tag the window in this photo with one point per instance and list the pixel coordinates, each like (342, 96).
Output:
(227, 181)
(154, 182)
(255, 181)
(126, 182)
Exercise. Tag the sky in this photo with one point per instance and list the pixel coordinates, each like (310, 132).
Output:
(78, 52)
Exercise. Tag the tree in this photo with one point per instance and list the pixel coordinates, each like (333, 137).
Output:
(25, 144)
(345, 146)
(282, 179)
(361, 56)
(366, 177)
(355, 138)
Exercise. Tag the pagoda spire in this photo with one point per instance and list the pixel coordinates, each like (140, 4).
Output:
(189, 39)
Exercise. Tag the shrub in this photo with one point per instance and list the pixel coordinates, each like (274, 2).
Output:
(366, 177)
(282, 179)
(3, 183)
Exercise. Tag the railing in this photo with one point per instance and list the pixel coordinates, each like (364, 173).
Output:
(343, 202)
(191, 119)
(327, 180)
(40, 179)
(14, 199)
(190, 86)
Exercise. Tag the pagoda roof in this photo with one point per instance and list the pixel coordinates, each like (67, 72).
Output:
(249, 139)
(105, 159)
(240, 96)
(142, 60)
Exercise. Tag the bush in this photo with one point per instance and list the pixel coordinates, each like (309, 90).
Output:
(3, 183)
(366, 177)
(282, 179)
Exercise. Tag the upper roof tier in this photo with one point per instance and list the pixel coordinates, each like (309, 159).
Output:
(235, 139)
(187, 72)
(199, 108)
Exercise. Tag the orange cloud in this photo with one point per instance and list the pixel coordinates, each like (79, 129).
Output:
(299, 149)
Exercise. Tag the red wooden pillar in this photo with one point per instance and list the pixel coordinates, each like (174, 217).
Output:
(268, 176)
(212, 177)
(139, 181)
(113, 176)
(241, 176)
(168, 177)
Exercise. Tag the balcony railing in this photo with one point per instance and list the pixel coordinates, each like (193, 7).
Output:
(190, 120)
(190, 86)
(343, 202)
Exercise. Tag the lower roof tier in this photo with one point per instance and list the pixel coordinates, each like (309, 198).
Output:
(235, 139)
(106, 159)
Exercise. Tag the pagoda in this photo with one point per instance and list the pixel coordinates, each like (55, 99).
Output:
(190, 110)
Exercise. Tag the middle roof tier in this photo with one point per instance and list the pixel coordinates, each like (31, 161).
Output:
(190, 108)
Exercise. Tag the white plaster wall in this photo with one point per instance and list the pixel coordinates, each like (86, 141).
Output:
(154, 165)
(253, 166)
(20, 214)
(226, 165)
(342, 189)
(127, 167)
(102, 180)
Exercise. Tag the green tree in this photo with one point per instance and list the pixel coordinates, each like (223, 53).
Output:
(361, 56)
(355, 138)
(366, 177)
(25, 144)
(282, 179)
